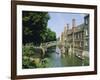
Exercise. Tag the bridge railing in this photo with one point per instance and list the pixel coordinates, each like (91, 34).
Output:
(49, 44)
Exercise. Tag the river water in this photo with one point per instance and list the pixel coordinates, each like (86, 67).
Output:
(56, 59)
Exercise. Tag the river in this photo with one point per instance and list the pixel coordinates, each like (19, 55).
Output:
(56, 59)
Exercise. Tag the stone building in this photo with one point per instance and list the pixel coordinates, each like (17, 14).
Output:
(76, 39)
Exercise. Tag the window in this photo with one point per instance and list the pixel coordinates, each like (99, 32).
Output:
(80, 44)
(86, 32)
(86, 43)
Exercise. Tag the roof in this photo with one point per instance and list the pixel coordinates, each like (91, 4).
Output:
(79, 28)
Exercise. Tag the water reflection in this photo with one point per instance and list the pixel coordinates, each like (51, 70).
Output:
(57, 60)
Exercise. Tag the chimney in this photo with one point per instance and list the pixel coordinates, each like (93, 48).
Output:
(73, 24)
(67, 26)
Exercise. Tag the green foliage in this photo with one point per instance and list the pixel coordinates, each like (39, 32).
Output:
(35, 28)
(27, 52)
(50, 35)
(35, 31)
(29, 59)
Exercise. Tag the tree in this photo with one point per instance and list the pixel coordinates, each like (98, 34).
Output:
(34, 26)
(50, 35)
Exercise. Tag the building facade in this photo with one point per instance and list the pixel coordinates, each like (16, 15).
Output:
(76, 39)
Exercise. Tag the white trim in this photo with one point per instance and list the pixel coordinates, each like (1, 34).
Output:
(21, 71)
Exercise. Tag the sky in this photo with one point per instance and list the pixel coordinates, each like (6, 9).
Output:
(59, 20)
